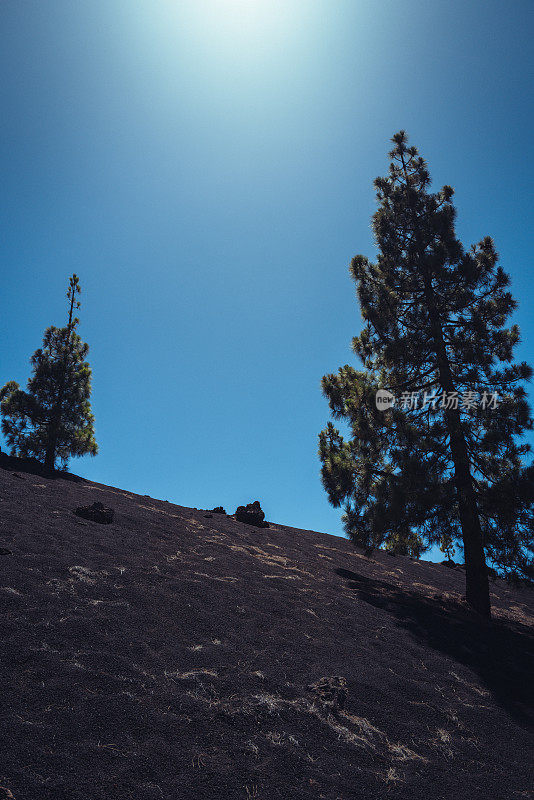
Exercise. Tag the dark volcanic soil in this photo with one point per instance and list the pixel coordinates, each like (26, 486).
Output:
(167, 655)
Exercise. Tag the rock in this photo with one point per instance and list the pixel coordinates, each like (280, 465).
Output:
(252, 514)
(209, 516)
(5, 551)
(451, 564)
(218, 510)
(330, 692)
(96, 513)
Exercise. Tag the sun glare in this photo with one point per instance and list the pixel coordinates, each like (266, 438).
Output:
(238, 21)
(231, 27)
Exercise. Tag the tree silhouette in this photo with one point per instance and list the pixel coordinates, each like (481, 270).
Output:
(443, 463)
(53, 419)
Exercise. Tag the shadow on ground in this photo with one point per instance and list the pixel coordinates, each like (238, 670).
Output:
(501, 654)
(31, 466)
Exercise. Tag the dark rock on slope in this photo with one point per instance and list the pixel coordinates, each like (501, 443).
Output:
(251, 514)
(173, 656)
(96, 512)
(330, 692)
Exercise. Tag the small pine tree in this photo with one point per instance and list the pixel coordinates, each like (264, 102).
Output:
(446, 546)
(53, 420)
(434, 322)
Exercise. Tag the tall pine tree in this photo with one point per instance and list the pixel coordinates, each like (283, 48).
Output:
(53, 420)
(445, 463)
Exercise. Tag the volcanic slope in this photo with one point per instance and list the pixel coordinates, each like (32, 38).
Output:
(170, 655)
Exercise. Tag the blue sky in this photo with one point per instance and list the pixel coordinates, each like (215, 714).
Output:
(206, 168)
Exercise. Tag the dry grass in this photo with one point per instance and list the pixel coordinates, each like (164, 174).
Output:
(269, 559)
(193, 673)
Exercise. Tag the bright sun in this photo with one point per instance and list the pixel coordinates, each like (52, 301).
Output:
(223, 22)
(226, 40)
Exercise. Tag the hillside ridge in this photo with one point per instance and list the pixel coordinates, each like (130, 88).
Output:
(172, 655)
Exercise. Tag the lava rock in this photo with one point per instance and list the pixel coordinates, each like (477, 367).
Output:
(218, 510)
(329, 692)
(96, 513)
(251, 514)
(452, 564)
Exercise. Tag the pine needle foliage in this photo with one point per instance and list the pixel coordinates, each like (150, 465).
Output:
(52, 420)
(435, 321)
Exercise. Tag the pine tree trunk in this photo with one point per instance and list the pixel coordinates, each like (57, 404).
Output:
(53, 427)
(476, 573)
(50, 455)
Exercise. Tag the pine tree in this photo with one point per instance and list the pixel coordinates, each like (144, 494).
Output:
(451, 469)
(53, 419)
(446, 546)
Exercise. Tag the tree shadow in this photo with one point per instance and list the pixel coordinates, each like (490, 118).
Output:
(33, 467)
(500, 653)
